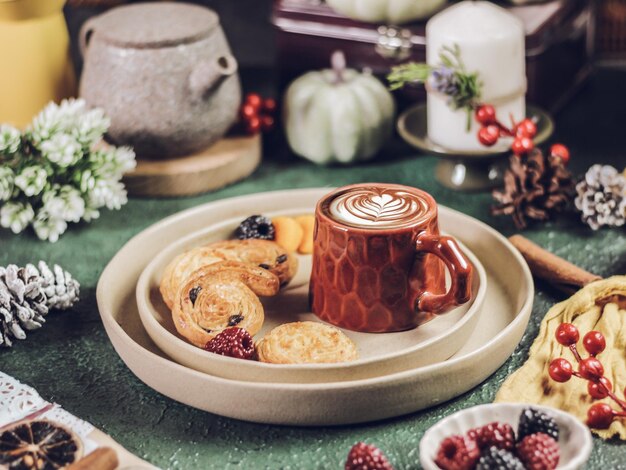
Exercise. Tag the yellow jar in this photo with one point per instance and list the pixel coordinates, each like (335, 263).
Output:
(34, 53)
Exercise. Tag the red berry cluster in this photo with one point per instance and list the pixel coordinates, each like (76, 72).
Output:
(522, 132)
(257, 114)
(599, 415)
(233, 342)
(494, 446)
(366, 457)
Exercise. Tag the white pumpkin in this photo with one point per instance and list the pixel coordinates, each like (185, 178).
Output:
(338, 114)
(386, 11)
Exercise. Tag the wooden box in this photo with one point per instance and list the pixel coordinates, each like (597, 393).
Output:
(559, 43)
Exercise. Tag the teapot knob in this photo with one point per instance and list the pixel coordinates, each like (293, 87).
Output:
(208, 75)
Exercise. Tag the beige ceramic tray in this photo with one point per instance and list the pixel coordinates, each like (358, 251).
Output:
(379, 354)
(508, 304)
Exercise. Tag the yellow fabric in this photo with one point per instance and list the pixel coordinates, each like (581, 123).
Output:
(599, 306)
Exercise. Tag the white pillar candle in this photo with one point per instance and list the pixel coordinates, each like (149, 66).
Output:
(491, 42)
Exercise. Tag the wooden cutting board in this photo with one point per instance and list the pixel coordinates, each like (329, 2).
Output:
(227, 161)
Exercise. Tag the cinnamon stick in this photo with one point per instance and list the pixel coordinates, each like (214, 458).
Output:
(560, 273)
(103, 458)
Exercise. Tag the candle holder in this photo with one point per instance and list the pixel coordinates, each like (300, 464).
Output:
(472, 170)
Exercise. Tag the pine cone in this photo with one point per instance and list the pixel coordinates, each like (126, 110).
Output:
(535, 187)
(61, 289)
(26, 295)
(22, 302)
(602, 197)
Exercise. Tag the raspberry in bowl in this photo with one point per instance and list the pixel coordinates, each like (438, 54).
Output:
(506, 435)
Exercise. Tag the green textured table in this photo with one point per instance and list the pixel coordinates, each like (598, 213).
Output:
(71, 361)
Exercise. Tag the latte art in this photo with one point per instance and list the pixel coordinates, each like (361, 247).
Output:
(377, 208)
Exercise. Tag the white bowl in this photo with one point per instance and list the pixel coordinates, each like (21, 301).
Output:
(574, 436)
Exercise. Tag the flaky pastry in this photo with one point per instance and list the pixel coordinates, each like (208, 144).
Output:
(262, 253)
(219, 296)
(306, 342)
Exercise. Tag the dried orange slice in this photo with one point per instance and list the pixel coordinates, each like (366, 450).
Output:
(38, 445)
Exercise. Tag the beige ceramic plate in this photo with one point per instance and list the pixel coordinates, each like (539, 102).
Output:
(379, 354)
(508, 304)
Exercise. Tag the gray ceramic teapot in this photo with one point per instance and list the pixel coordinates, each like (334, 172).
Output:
(164, 74)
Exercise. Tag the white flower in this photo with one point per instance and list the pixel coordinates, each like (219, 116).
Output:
(64, 202)
(109, 193)
(86, 181)
(62, 149)
(49, 228)
(16, 216)
(90, 127)
(91, 214)
(7, 182)
(113, 162)
(31, 180)
(10, 139)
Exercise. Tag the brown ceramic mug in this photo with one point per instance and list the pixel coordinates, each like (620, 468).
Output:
(379, 261)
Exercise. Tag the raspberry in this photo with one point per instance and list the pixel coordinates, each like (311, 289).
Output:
(256, 226)
(499, 435)
(233, 342)
(366, 457)
(538, 452)
(494, 458)
(532, 421)
(457, 453)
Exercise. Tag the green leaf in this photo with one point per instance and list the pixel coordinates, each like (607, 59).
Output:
(412, 72)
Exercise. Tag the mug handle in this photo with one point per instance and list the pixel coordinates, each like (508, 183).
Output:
(84, 35)
(448, 251)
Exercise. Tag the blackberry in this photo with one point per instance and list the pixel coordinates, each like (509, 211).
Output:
(532, 421)
(256, 226)
(499, 459)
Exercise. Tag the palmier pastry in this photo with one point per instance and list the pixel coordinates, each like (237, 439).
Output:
(219, 296)
(181, 267)
(306, 342)
(263, 253)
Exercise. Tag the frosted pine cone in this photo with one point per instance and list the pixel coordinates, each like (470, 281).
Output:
(23, 304)
(601, 197)
(60, 288)
(26, 295)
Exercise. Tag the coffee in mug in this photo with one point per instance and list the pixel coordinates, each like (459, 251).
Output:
(379, 261)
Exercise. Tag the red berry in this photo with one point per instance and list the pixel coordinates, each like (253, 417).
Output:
(254, 100)
(600, 389)
(486, 114)
(526, 128)
(248, 111)
(500, 435)
(457, 453)
(267, 123)
(538, 452)
(561, 151)
(591, 369)
(233, 342)
(599, 416)
(560, 370)
(366, 457)
(522, 145)
(489, 135)
(253, 126)
(594, 342)
(269, 105)
(567, 334)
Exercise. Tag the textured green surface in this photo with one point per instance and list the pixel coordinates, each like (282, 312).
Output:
(71, 361)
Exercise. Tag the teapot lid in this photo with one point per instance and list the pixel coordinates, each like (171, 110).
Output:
(155, 24)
